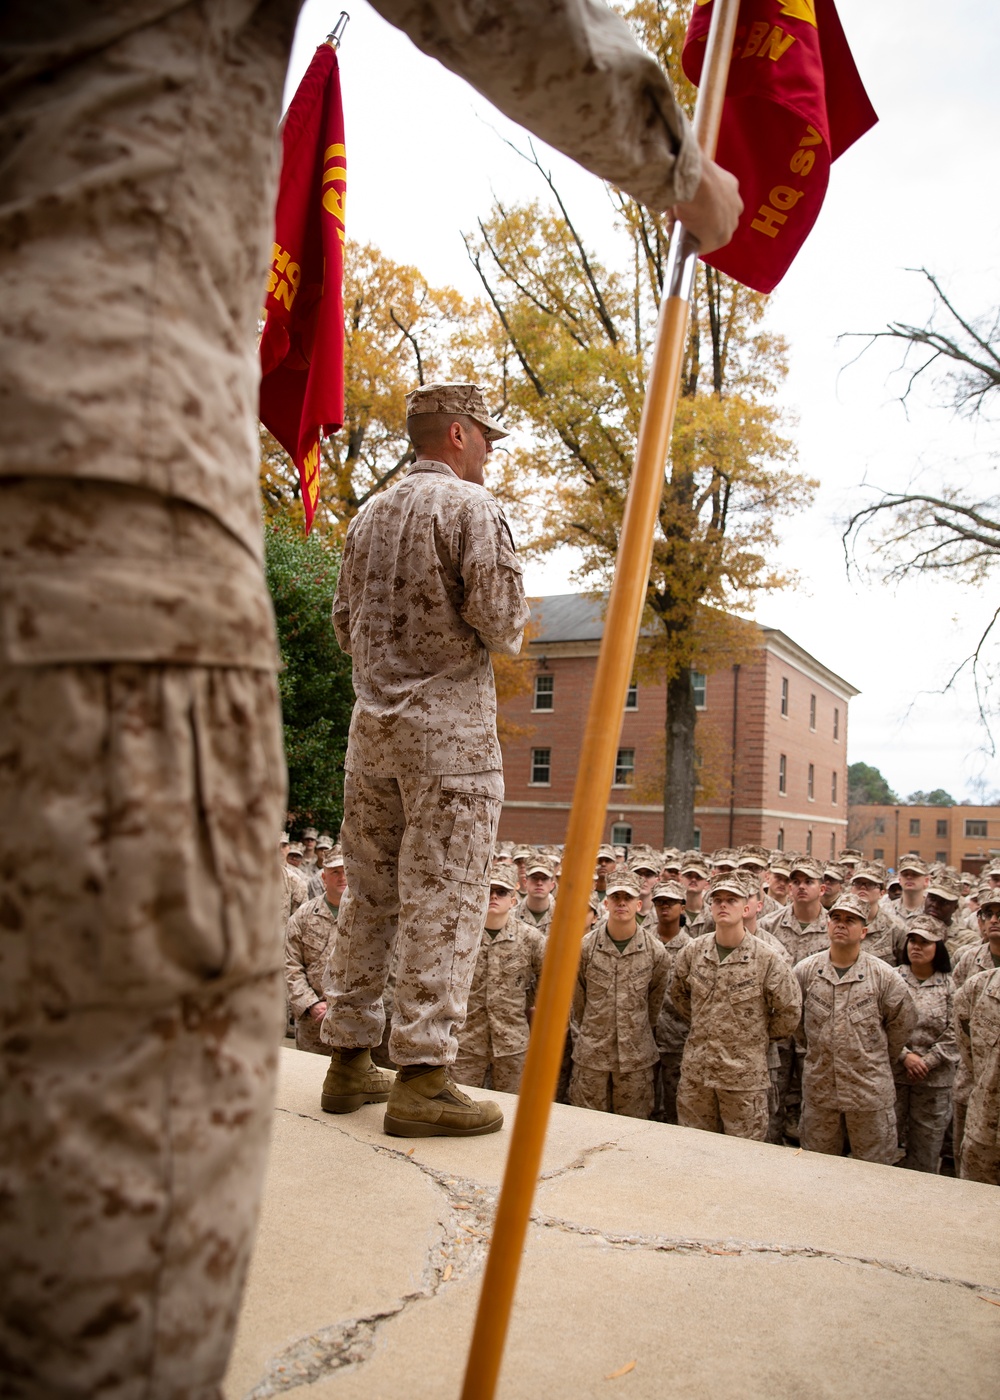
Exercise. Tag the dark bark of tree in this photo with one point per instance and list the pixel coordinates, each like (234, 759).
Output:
(678, 788)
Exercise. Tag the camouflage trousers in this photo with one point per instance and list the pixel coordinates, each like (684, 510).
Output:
(308, 1036)
(506, 1071)
(141, 1004)
(629, 1093)
(416, 855)
(871, 1132)
(980, 1162)
(667, 1074)
(735, 1112)
(922, 1116)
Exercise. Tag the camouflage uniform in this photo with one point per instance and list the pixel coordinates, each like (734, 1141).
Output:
(734, 1009)
(423, 787)
(971, 961)
(977, 1021)
(541, 922)
(923, 1107)
(670, 1033)
(798, 943)
(495, 1034)
(138, 694)
(308, 939)
(616, 1004)
(886, 938)
(854, 1029)
(294, 893)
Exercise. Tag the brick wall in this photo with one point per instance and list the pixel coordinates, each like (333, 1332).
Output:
(883, 833)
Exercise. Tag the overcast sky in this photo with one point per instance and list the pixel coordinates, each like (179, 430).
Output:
(425, 159)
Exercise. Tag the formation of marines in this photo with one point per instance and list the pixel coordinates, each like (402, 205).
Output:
(763, 994)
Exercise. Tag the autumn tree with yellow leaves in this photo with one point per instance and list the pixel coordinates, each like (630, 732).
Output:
(577, 332)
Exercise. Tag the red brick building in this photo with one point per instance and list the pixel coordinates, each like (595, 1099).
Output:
(771, 735)
(966, 837)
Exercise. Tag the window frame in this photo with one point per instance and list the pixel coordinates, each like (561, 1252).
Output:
(536, 766)
(812, 712)
(540, 680)
(782, 775)
(784, 698)
(621, 767)
(702, 687)
(977, 822)
(631, 703)
(616, 838)
(811, 786)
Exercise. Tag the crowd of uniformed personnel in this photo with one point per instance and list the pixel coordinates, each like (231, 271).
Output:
(764, 994)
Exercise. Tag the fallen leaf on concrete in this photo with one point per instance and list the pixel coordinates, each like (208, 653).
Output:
(411, 1152)
(797, 1153)
(447, 1273)
(723, 1251)
(460, 1205)
(984, 1299)
(622, 1371)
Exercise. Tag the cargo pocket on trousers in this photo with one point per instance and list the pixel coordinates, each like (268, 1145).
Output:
(473, 801)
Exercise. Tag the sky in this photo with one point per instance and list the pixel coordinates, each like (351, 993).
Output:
(426, 158)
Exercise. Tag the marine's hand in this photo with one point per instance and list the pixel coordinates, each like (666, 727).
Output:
(916, 1067)
(318, 1011)
(712, 214)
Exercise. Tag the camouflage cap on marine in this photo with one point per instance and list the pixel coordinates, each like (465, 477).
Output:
(538, 864)
(623, 880)
(833, 871)
(466, 399)
(805, 865)
(724, 857)
(780, 863)
(324, 842)
(850, 903)
(850, 855)
(732, 882)
(872, 870)
(753, 858)
(335, 858)
(285, 838)
(310, 833)
(668, 889)
(606, 853)
(296, 849)
(911, 861)
(986, 895)
(945, 885)
(694, 863)
(502, 873)
(670, 859)
(644, 858)
(927, 927)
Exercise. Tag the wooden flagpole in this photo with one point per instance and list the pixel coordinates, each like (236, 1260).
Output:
(597, 758)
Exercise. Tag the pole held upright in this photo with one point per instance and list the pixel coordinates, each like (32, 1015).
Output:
(597, 758)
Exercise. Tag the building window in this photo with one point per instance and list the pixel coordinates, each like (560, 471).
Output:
(809, 843)
(544, 686)
(697, 839)
(784, 696)
(699, 688)
(836, 722)
(632, 700)
(914, 826)
(812, 712)
(782, 779)
(942, 828)
(941, 857)
(541, 766)
(811, 783)
(833, 787)
(878, 853)
(833, 844)
(625, 768)
(880, 826)
(975, 828)
(621, 834)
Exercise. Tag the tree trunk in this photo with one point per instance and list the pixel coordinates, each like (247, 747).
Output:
(678, 788)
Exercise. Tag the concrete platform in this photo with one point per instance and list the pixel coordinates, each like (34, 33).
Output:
(719, 1268)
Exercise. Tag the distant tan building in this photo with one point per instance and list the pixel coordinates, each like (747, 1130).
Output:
(966, 837)
(782, 783)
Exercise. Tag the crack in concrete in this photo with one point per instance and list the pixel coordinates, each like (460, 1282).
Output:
(668, 1244)
(461, 1248)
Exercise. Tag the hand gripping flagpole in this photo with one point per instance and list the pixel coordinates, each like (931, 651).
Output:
(597, 757)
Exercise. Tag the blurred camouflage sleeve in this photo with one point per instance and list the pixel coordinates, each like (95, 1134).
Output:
(900, 1015)
(494, 602)
(571, 72)
(341, 602)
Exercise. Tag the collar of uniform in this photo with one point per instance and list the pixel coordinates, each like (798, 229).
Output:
(328, 909)
(936, 979)
(818, 924)
(427, 465)
(631, 946)
(503, 935)
(853, 974)
(740, 954)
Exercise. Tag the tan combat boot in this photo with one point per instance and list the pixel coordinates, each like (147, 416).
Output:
(430, 1105)
(349, 1083)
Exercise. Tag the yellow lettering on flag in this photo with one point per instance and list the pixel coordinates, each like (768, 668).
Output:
(799, 9)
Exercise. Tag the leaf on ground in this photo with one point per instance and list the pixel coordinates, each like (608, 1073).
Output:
(622, 1371)
(447, 1273)
(798, 1152)
(983, 1299)
(411, 1152)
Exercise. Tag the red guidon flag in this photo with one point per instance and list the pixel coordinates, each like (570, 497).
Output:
(794, 103)
(302, 347)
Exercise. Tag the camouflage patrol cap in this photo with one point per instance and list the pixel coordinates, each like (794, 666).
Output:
(805, 865)
(781, 863)
(927, 927)
(694, 863)
(538, 865)
(296, 849)
(753, 857)
(285, 838)
(986, 895)
(594, 903)
(523, 853)
(606, 853)
(644, 859)
(671, 859)
(944, 885)
(732, 882)
(668, 889)
(310, 833)
(466, 399)
(833, 871)
(623, 880)
(850, 903)
(324, 843)
(872, 870)
(724, 856)
(334, 859)
(850, 855)
(910, 861)
(503, 874)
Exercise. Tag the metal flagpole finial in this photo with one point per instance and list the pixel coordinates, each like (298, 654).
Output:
(337, 32)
